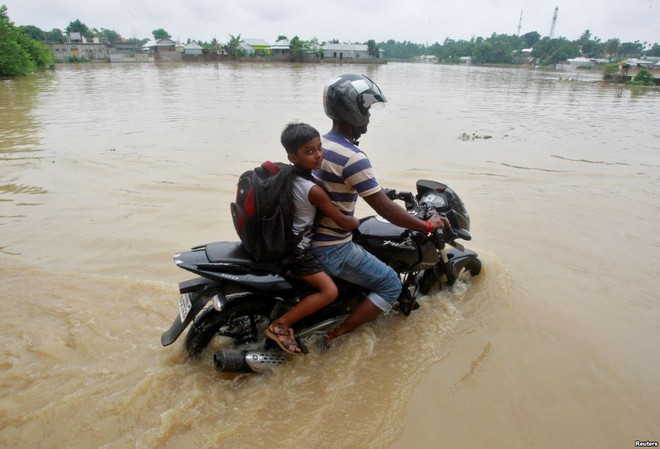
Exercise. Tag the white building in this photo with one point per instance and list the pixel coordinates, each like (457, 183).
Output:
(193, 48)
(352, 52)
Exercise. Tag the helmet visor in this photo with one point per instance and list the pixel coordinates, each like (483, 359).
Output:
(368, 93)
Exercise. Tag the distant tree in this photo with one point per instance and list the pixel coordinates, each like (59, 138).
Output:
(452, 50)
(551, 51)
(631, 49)
(160, 34)
(589, 47)
(282, 37)
(14, 59)
(300, 50)
(234, 46)
(654, 50)
(402, 50)
(296, 49)
(530, 39)
(494, 51)
(136, 42)
(313, 47)
(215, 46)
(109, 35)
(611, 48)
(372, 48)
(19, 53)
(78, 27)
(33, 32)
(39, 53)
(643, 78)
(55, 35)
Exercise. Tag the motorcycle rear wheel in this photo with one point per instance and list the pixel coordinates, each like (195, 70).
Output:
(243, 322)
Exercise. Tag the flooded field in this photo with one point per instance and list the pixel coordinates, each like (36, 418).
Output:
(108, 170)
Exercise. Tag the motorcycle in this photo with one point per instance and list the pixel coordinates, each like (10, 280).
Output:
(234, 298)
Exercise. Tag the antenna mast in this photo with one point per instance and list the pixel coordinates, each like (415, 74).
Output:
(520, 22)
(554, 23)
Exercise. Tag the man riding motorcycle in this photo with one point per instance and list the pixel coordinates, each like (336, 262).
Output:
(347, 174)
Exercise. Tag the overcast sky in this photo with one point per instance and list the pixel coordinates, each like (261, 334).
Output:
(418, 21)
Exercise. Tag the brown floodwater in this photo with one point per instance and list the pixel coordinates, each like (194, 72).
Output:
(107, 170)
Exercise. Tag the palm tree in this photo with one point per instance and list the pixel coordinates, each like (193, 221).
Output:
(234, 46)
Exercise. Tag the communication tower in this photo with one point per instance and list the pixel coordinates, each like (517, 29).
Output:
(520, 22)
(554, 23)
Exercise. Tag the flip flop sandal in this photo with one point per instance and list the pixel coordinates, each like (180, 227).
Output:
(285, 339)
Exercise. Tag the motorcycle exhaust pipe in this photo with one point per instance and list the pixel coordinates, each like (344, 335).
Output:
(238, 361)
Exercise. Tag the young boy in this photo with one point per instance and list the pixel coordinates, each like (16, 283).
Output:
(303, 146)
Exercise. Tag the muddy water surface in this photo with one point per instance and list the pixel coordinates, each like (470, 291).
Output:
(107, 170)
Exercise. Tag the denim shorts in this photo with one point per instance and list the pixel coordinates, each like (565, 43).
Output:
(351, 262)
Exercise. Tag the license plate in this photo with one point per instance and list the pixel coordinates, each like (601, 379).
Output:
(184, 306)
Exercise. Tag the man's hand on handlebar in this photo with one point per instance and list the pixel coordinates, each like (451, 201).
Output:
(438, 221)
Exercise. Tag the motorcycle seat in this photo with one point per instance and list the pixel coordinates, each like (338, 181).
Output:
(234, 253)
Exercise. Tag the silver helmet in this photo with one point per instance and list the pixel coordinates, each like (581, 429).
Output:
(348, 97)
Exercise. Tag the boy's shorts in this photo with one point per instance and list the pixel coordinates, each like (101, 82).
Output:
(305, 263)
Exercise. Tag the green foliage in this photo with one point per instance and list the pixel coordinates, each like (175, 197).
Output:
(297, 49)
(76, 59)
(630, 50)
(643, 78)
(654, 51)
(33, 32)
(39, 53)
(551, 51)
(301, 51)
(612, 48)
(160, 34)
(505, 49)
(372, 48)
(55, 35)
(109, 35)
(611, 70)
(21, 56)
(497, 49)
(78, 27)
(401, 50)
(14, 59)
(233, 47)
(19, 53)
(530, 39)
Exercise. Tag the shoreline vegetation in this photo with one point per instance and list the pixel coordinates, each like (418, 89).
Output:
(28, 49)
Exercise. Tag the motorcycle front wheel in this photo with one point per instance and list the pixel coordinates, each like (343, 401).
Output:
(242, 323)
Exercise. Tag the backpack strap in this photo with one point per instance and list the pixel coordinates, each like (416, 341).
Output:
(307, 175)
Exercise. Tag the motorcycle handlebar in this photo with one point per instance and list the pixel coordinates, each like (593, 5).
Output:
(412, 204)
(407, 197)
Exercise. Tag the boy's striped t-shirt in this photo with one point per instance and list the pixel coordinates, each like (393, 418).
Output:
(346, 174)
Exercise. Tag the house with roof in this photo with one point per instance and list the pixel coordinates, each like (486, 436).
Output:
(193, 48)
(77, 46)
(160, 46)
(349, 52)
(281, 47)
(124, 51)
(162, 50)
(251, 46)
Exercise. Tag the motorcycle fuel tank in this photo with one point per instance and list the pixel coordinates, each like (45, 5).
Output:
(400, 248)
